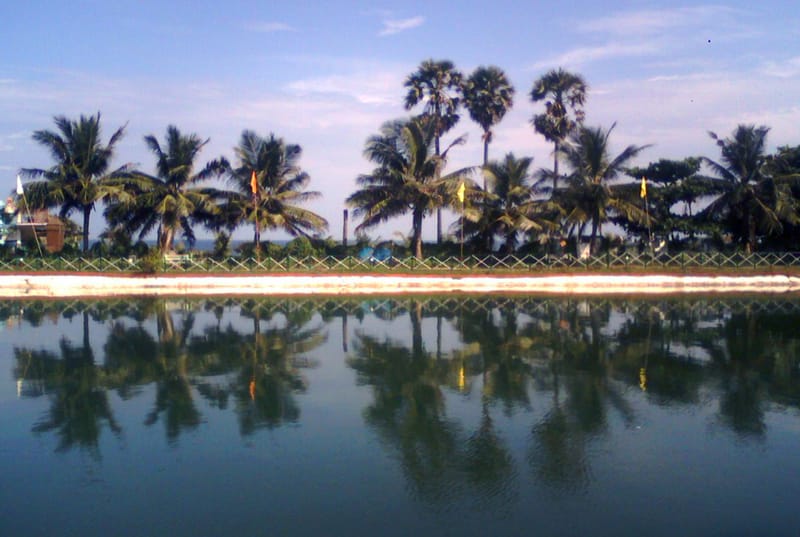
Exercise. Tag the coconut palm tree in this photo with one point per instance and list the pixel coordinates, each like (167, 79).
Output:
(279, 189)
(488, 95)
(171, 200)
(80, 177)
(751, 201)
(588, 196)
(438, 85)
(509, 207)
(407, 177)
(565, 95)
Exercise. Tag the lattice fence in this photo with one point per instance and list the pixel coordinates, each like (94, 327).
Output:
(331, 264)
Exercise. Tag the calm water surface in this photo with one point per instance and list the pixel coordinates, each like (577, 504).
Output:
(490, 416)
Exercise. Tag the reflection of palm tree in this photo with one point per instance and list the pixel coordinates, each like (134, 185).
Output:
(496, 347)
(265, 389)
(408, 410)
(79, 404)
(487, 461)
(173, 386)
(409, 414)
(268, 363)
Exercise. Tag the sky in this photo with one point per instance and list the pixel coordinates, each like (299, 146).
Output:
(327, 75)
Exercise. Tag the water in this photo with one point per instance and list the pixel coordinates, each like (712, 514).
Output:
(450, 416)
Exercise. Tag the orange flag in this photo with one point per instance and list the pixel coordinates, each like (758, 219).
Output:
(643, 189)
(254, 183)
(460, 193)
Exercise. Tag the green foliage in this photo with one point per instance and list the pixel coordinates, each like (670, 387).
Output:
(152, 262)
(280, 189)
(171, 200)
(80, 177)
(300, 247)
(488, 95)
(407, 177)
(752, 203)
(222, 246)
(589, 197)
(564, 94)
(438, 85)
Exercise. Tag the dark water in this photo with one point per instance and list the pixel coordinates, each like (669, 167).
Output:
(496, 416)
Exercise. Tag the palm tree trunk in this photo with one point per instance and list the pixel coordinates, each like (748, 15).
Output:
(438, 210)
(438, 226)
(416, 232)
(593, 236)
(87, 212)
(751, 233)
(485, 156)
(557, 146)
(415, 311)
(165, 241)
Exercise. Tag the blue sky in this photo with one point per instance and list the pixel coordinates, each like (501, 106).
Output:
(326, 75)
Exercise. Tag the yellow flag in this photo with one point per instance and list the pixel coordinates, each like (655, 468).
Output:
(254, 182)
(643, 191)
(460, 193)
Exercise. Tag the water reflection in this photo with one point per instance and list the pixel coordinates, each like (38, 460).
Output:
(448, 380)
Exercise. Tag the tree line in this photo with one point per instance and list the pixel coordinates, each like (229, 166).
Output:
(745, 198)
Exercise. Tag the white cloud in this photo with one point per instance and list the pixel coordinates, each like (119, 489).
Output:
(395, 26)
(372, 88)
(269, 27)
(654, 21)
(579, 56)
(784, 69)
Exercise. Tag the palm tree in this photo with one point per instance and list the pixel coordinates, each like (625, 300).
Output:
(407, 177)
(509, 207)
(488, 95)
(565, 92)
(438, 84)
(170, 200)
(588, 196)
(751, 200)
(280, 184)
(80, 178)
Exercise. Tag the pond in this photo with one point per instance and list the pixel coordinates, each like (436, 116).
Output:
(402, 416)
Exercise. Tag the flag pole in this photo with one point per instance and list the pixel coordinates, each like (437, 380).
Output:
(643, 194)
(460, 194)
(21, 192)
(257, 234)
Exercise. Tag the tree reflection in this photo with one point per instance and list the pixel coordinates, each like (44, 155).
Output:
(409, 413)
(79, 407)
(577, 367)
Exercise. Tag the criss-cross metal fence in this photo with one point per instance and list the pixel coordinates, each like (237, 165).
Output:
(479, 264)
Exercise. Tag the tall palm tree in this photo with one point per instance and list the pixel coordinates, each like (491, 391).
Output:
(588, 197)
(565, 95)
(509, 206)
(438, 85)
(488, 95)
(407, 177)
(171, 200)
(751, 201)
(280, 184)
(80, 177)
